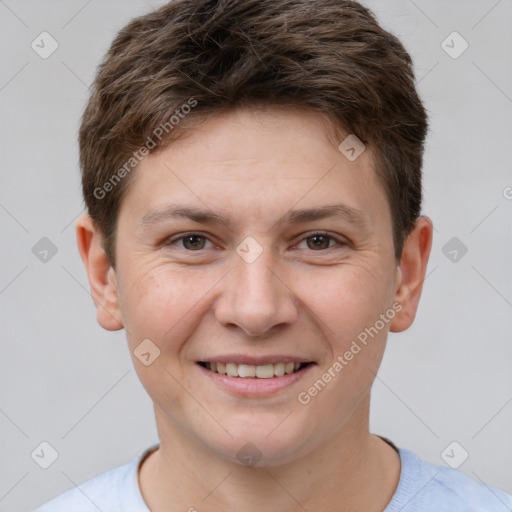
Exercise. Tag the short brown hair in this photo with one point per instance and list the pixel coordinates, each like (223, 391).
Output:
(330, 56)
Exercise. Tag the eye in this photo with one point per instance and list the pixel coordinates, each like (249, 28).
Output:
(321, 241)
(191, 241)
(318, 241)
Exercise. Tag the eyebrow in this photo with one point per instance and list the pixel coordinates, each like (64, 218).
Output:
(345, 212)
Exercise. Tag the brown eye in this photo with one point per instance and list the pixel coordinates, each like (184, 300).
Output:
(188, 242)
(319, 241)
(193, 242)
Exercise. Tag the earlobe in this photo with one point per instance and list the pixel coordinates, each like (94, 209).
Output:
(101, 275)
(411, 273)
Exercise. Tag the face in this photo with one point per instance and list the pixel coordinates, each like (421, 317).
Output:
(255, 246)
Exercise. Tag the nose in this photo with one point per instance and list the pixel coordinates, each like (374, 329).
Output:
(255, 297)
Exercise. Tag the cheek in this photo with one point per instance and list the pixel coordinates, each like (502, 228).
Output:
(159, 302)
(161, 305)
(347, 299)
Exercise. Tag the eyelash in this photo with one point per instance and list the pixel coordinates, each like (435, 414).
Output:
(309, 235)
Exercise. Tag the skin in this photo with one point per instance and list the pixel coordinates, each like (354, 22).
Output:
(254, 166)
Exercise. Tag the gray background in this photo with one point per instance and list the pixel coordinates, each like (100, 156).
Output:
(66, 381)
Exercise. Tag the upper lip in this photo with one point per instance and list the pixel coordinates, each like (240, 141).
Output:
(255, 360)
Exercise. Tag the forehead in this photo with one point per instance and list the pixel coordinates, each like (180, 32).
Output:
(253, 161)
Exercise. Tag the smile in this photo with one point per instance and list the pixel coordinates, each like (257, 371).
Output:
(265, 371)
(253, 376)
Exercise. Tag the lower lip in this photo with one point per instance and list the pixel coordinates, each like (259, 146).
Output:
(253, 386)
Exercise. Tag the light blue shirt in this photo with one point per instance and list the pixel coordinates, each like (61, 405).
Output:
(423, 487)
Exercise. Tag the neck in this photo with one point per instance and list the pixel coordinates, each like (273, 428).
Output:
(352, 470)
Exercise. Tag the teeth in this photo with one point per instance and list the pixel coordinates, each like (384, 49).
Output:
(279, 369)
(247, 370)
(265, 371)
(232, 369)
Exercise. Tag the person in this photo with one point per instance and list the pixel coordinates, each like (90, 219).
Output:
(252, 175)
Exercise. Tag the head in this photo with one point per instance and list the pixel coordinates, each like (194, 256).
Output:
(234, 121)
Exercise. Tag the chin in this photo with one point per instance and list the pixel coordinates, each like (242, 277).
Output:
(263, 445)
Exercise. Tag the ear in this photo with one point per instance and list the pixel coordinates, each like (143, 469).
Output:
(102, 278)
(411, 273)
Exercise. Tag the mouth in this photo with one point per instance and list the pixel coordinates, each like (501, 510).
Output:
(254, 377)
(264, 371)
